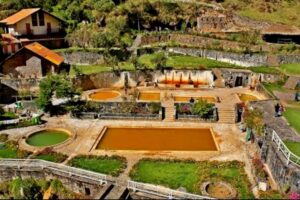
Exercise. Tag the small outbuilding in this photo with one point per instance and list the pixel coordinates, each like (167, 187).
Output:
(281, 34)
(32, 61)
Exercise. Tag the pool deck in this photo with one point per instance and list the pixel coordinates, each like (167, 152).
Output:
(231, 141)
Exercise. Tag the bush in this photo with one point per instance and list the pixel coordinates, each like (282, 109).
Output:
(3, 137)
(202, 108)
(154, 108)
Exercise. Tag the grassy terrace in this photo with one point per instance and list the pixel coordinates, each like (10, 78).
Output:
(291, 69)
(190, 174)
(292, 115)
(10, 149)
(293, 147)
(102, 164)
(185, 62)
(51, 156)
(173, 61)
(284, 12)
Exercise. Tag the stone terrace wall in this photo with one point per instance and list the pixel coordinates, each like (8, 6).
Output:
(246, 60)
(202, 42)
(108, 79)
(285, 175)
(71, 183)
(82, 58)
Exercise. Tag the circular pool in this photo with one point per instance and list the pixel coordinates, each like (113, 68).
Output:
(219, 190)
(47, 137)
(104, 95)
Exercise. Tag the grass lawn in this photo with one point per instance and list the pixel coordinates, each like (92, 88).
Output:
(52, 157)
(8, 116)
(284, 12)
(9, 150)
(293, 117)
(277, 86)
(292, 69)
(185, 62)
(94, 69)
(102, 164)
(293, 146)
(265, 70)
(190, 175)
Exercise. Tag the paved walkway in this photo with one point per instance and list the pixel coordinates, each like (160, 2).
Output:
(279, 124)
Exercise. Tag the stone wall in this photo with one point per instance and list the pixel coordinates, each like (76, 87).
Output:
(285, 175)
(70, 182)
(82, 58)
(203, 42)
(245, 60)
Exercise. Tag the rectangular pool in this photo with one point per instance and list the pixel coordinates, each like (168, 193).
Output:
(149, 96)
(158, 139)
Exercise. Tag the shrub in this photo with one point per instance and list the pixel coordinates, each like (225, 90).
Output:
(3, 137)
(202, 108)
(154, 108)
(254, 120)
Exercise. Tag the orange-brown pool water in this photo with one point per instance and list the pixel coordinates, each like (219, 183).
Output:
(158, 139)
(149, 96)
(247, 97)
(104, 95)
(187, 99)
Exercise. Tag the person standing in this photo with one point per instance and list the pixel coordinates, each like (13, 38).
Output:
(277, 107)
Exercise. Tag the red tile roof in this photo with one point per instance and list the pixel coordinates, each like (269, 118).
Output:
(42, 51)
(19, 16)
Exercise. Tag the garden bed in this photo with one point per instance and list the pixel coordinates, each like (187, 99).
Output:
(118, 110)
(200, 111)
(10, 149)
(190, 175)
(49, 155)
(113, 165)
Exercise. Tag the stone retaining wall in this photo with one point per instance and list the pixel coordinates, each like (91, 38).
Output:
(72, 183)
(246, 60)
(285, 175)
(82, 58)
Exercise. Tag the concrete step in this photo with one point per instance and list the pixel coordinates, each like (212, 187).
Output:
(104, 191)
(292, 82)
(117, 192)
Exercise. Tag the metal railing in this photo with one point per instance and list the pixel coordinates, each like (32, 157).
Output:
(162, 191)
(290, 156)
(67, 171)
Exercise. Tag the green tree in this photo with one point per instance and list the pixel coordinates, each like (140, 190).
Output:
(253, 119)
(159, 60)
(202, 108)
(55, 85)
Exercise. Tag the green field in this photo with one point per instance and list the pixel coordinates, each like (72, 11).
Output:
(293, 147)
(291, 69)
(102, 164)
(9, 149)
(185, 62)
(293, 117)
(52, 157)
(278, 12)
(94, 69)
(190, 175)
(47, 138)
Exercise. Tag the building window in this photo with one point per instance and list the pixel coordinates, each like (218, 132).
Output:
(41, 18)
(34, 19)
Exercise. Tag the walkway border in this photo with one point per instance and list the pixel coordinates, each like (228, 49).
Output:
(290, 156)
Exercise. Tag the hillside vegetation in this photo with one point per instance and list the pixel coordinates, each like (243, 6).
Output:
(278, 11)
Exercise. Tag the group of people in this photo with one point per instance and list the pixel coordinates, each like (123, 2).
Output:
(278, 110)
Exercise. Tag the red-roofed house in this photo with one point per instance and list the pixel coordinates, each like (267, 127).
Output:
(33, 60)
(32, 25)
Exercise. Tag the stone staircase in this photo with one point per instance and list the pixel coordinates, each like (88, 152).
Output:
(219, 82)
(292, 82)
(226, 115)
(170, 110)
